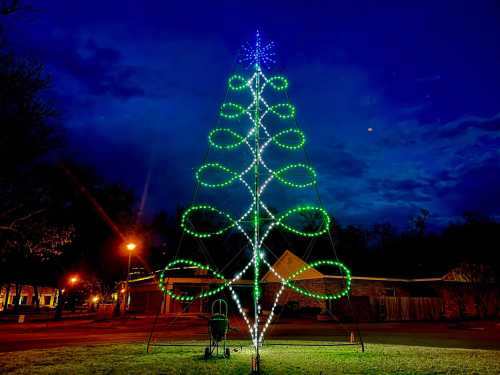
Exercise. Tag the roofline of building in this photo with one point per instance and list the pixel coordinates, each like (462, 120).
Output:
(370, 278)
(191, 280)
(243, 281)
(322, 276)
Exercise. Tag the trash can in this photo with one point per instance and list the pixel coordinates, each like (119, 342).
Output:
(105, 311)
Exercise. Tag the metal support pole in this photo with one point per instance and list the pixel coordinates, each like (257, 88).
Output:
(256, 252)
(127, 294)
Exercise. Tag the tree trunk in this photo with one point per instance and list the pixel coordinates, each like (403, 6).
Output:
(17, 297)
(116, 311)
(60, 305)
(37, 299)
(6, 302)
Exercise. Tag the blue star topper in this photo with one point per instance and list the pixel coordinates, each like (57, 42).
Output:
(258, 55)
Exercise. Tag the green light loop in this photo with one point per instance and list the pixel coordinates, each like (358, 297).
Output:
(342, 293)
(280, 175)
(231, 111)
(232, 175)
(204, 207)
(279, 83)
(301, 139)
(283, 110)
(237, 82)
(325, 225)
(191, 264)
(212, 136)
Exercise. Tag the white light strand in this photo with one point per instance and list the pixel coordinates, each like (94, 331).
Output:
(257, 243)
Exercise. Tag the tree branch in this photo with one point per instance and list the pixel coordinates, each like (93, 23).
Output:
(9, 229)
(27, 217)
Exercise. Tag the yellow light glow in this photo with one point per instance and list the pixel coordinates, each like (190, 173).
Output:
(131, 246)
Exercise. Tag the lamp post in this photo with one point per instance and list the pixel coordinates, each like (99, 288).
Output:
(73, 280)
(131, 246)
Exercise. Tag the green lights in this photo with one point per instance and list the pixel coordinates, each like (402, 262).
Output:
(204, 207)
(323, 228)
(283, 111)
(279, 83)
(212, 139)
(251, 142)
(300, 139)
(256, 287)
(289, 282)
(190, 264)
(214, 167)
(231, 111)
(280, 174)
(344, 270)
(237, 82)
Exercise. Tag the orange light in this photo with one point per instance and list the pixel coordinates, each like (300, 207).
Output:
(95, 299)
(131, 246)
(122, 290)
(73, 279)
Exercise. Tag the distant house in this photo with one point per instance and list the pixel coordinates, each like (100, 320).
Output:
(47, 296)
(146, 297)
(372, 298)
(450, 296)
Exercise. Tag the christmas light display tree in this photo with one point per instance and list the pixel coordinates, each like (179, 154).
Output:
(254, 134)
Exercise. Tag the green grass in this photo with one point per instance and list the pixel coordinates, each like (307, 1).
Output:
(132, 359)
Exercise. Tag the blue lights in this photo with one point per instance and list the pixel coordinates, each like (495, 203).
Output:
(258, 55)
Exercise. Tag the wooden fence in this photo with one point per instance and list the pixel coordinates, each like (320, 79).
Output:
(409, 308)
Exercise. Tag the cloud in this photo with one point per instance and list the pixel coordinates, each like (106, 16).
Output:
(95, 70)
(337, 161)
(475, 188)
(101, 69)
(436, 77)
(128, 95)
(457, 128)
(415, 191)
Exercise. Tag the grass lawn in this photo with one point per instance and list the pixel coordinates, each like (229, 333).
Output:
(132, 359)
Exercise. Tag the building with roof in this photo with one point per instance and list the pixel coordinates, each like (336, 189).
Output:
(371, 298)
(47, 296)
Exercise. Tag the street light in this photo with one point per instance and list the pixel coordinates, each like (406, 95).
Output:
(73, 280)
(130, 246)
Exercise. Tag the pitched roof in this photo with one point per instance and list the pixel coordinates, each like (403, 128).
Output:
(288, 263)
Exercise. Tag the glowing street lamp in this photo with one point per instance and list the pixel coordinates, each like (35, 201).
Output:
(73, 280)
(130, 246)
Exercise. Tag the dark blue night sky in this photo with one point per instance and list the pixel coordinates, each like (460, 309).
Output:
(139, 85)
